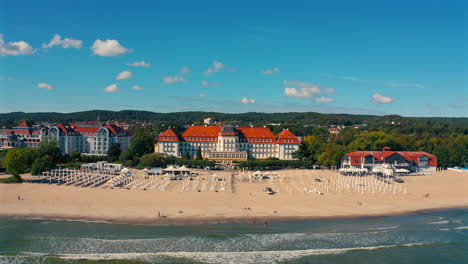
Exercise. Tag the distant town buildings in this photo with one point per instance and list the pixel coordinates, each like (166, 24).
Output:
(208, 121)
(227, 143)
(91, 138)
(377, 160)
(23, 135)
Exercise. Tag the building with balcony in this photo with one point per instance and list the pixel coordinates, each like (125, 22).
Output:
(89, 138)
(228, 143)
(23, 135)
(409, 160)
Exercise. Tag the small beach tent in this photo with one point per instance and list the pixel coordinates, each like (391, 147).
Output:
(183, 168)
(126, 171)
(170, 169)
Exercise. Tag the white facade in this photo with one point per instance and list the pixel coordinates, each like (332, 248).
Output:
(258, 143)
(24, 135)
(91, 139)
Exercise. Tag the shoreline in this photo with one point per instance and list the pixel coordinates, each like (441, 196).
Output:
(181, 221)
(199, 202)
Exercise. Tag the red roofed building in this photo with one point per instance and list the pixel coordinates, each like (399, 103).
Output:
(23, 135)
(93, 138)
(410, 160)
(228, 143)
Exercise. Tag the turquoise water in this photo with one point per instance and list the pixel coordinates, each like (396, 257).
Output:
(434, 237)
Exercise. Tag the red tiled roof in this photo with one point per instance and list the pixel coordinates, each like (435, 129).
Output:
(211, 133)
(169, 135)
(287, 137)
(408, 155)
(254, 133)
(86, 129)
(6, 131)
(116, 129)
(66, 128)
(202, 132)
(25, 124)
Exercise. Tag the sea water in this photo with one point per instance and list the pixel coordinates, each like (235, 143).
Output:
(432, 237)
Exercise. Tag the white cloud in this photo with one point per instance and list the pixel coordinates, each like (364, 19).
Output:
(65, 43)
(305, 90)
(6, 78)
(271, 71)
(216, 67)
(210, 84)
(301, 84)
(124, 75)
(111, 88)
(381, 99)
(108, 48)
(45, 86)
(324, 100)
(140, 64)
(185, 70)
(15, 48)
(202, 95)
(175, 79)
(246, 100)
(301, 93)
(136, 87)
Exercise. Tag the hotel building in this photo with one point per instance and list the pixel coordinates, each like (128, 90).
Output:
(89, 138)
(23, 135)
(227, 143)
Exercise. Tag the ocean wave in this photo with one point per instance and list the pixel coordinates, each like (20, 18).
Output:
(383, 228)
(223, 257)
(454, 228)
(444, 222)
(254, 242)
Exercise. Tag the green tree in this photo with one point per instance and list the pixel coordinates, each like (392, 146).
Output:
(16, 162)
(75, 156)
(199, 154)
(114, 152)
(332, 155)
(50, 148)
(126, 155)
(151, 160)
(142, 143)
(41, 164)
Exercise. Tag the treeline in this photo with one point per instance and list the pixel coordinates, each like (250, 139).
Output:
(451, 148)
(34, 160)
(299, 123)
(272, 164)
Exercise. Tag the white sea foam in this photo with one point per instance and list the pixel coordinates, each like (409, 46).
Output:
(439, 222)
(224, 257)
(383, 228)
(461, 227)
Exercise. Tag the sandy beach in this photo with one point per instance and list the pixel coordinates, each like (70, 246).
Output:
(248, 202)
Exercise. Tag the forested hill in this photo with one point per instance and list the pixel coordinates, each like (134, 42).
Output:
(306, 118)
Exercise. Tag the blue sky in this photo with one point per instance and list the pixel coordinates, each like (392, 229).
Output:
(361, 57)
